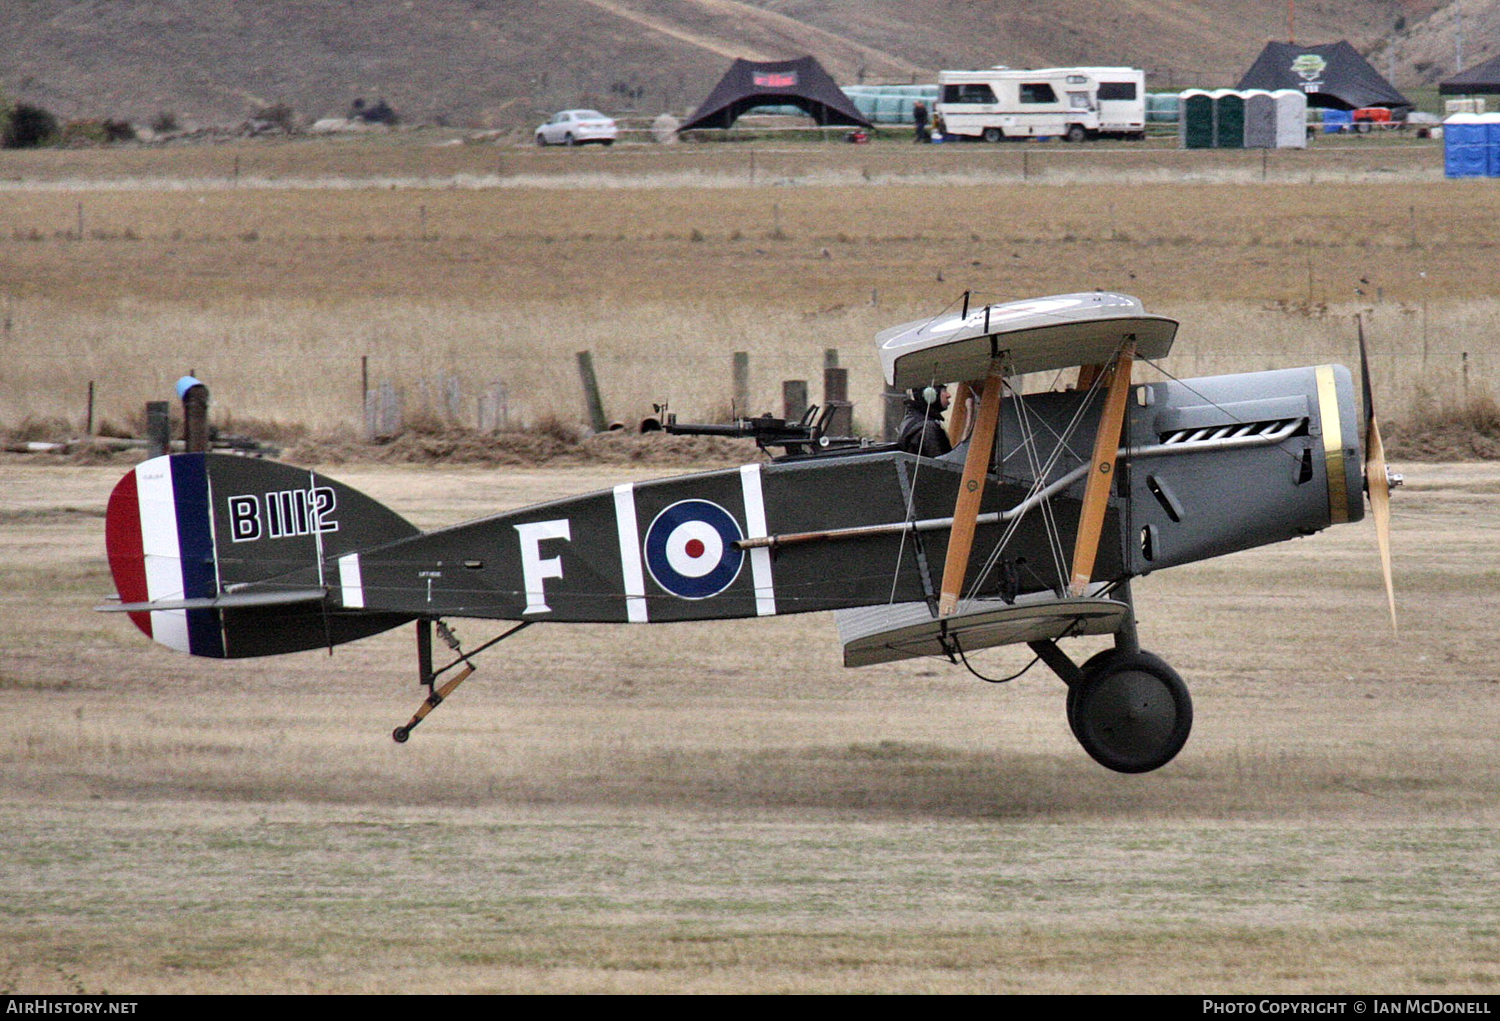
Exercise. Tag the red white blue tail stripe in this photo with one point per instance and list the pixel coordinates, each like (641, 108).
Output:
(159, 536)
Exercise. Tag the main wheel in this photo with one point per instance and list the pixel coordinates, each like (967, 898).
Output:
(541, 140)
(1092, 665)
(568, 139)
(1076, 133)
(993, 134)
(608, 142)
(1131, 712)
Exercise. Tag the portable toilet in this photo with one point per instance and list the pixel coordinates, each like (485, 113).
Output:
(1464, 138)
(1491, 124)
(1196, 124)
(1260, 119)
(1229, 119)
(1291, 118)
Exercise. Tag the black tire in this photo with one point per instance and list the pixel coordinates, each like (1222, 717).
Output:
(1089, 667)
(1131, 712)
(993, 135)
(1076, 133)
(541, 140)
(568, 139)
(400, 734)
(608, 142)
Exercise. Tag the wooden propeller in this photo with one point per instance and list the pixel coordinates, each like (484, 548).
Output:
(1377, 482)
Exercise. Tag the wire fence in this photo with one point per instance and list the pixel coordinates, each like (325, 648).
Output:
(496, 391)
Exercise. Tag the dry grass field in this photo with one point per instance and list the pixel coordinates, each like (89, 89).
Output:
(723, 807)
(663, 261)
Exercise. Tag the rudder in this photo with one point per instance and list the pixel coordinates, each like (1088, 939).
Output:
(243, 552)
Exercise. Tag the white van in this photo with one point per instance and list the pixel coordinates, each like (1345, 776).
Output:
(1072, 102)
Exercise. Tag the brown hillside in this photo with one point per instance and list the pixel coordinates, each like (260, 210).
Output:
(1426, 50)
(488, 62)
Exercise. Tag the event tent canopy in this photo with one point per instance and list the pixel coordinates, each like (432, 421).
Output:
(1332, 75)
(801, 83)
(1480, 79)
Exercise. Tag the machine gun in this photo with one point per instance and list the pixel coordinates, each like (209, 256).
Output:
(804, 437)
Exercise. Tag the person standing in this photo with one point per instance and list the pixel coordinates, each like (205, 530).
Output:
(919, 114)
(922, 431)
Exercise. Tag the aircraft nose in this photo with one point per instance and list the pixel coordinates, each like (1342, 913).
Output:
(1342, 450)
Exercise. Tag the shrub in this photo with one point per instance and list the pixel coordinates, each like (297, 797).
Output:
(29, 127)
(164, 122)
(83, 133)
(280, 114)
(378, 112)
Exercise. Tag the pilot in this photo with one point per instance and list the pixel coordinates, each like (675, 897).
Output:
(922, 430)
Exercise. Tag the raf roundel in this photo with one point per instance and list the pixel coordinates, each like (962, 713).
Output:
(690, 549)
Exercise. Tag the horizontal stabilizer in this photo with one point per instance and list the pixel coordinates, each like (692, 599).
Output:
(883, 634)
(230, 601)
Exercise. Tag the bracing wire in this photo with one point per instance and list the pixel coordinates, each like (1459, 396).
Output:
(911, 499)
(1038, 484)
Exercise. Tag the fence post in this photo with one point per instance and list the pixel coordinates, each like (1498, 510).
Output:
(372, 415)
(836, 395)
(452, 398)
(793, 399)
(158, 427)
(492, 410)
(742, 384)
(597, 421)
(194, 414)
(390, 410)
(895, 412)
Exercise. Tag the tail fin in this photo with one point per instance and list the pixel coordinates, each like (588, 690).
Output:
(227, 556)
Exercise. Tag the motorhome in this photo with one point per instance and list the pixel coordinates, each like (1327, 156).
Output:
(1069, 102)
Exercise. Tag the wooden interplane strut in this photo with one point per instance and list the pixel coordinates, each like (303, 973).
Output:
(971, 490)
(1101, 471)
(959, 419)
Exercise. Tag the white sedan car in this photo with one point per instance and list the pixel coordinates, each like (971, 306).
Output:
(575, 127)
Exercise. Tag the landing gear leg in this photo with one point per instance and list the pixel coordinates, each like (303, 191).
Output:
(428, 676)
(1130, 710)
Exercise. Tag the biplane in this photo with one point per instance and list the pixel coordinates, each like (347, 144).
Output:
(1029, 531)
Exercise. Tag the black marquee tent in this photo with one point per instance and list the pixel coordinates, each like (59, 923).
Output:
(801, 83)
(1332, 75)
(1482, 79)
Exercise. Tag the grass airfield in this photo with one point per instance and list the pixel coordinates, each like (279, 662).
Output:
(725, 808)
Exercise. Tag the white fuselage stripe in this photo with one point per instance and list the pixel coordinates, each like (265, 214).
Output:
(760, 557)
(630, 555)
(351, 585)
(163, 555)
